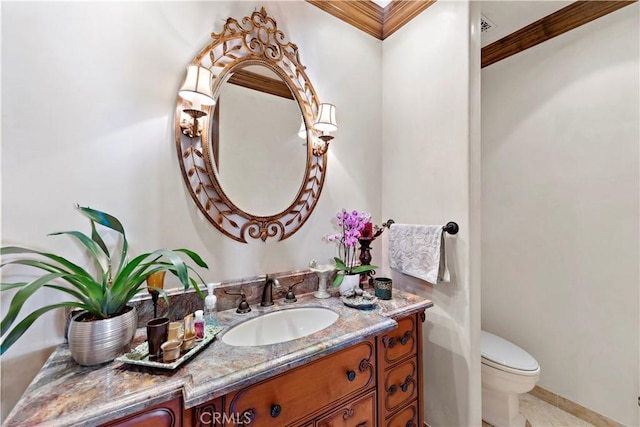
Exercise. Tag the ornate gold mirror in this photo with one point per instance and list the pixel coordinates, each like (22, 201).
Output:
(242, 159)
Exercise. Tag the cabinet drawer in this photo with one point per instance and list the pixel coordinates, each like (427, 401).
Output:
(400, 385)
(208, 414)
(407, 417)
(168, 414)
(399, 343)
(361, 413)
(301, 392)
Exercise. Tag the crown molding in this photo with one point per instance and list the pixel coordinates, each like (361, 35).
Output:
(362, 14)
(565, 19)
(370, 17)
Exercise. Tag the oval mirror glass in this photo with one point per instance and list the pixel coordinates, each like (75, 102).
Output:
(259, 157)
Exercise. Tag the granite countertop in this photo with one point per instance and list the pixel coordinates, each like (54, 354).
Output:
(64, 393)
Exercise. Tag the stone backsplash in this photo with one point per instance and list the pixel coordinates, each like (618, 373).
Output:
(182, 303)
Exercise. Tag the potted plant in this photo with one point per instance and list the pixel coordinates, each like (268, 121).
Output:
(351, 225)
(107, 324)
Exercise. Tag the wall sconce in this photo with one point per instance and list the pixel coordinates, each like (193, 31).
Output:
(325, 123)
(197, 90)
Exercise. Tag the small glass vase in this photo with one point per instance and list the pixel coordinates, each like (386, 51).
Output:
(349, 282)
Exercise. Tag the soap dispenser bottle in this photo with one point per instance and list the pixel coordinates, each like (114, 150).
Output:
(210, 313)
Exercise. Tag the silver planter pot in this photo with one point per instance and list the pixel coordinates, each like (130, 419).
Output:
(100, 341)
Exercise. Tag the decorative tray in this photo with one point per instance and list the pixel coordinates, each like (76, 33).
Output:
(140, 354)
(359, 302)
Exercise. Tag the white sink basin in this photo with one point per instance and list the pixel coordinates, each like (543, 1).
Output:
(280, 326)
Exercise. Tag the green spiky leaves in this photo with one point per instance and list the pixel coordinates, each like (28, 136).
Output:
(104, 293)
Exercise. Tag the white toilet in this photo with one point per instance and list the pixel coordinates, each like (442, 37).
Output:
(507, 371)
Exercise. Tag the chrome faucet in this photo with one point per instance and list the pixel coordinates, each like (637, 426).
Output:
(267, 292)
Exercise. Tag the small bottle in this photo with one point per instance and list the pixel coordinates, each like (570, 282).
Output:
(199, 325)
(210, 313)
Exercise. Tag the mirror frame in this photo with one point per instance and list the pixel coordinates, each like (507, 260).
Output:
(255, 40)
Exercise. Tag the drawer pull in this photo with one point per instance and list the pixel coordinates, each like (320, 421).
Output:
(249, 415)
(405, 338)
(410, 423)
(392, 389)
(391, 342)
(275, 410)
(351, 375)
(403, 386)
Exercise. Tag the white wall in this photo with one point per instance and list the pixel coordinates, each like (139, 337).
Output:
(89, 91)
(430, 176)
(560, 196)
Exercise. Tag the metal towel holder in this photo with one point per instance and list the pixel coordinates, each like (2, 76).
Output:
(451, 228)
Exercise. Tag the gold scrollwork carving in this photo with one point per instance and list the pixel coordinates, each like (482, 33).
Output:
(254, 40)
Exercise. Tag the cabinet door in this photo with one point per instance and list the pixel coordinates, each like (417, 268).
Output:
(167, 414)
(358, 413)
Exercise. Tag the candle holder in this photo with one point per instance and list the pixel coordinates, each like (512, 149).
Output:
(155, 282)
(365, 259)
(366, 278)
(323, 272)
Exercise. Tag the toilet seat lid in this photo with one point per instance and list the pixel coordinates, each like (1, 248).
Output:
(505, 353)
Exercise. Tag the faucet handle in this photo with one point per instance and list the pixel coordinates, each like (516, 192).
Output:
(290, 297)
(243, 307)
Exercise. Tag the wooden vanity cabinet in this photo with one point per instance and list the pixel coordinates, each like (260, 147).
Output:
(400, 395)
(376, 382)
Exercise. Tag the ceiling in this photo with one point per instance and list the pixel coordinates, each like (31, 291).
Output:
(382, 3)
(510, 16)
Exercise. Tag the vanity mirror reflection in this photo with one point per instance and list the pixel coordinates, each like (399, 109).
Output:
(241, 156)
(254, 141)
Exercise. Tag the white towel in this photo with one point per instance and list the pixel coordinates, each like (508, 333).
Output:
(418, 250)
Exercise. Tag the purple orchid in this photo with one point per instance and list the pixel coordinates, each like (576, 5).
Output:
(352, 225)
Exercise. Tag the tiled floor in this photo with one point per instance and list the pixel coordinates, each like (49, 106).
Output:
(541, 414)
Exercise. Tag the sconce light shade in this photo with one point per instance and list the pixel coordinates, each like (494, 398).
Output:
(326, 121)
(197, 86)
